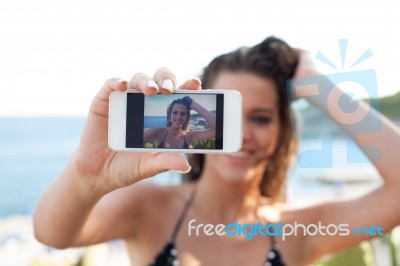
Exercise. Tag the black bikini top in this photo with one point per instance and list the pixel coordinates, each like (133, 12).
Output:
(162, 143)
(169, 254)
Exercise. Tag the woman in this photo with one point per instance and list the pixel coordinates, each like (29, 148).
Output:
(98, 196)
(175, 135)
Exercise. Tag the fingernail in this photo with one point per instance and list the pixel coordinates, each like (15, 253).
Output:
(183, 172)
(118, 81)
(152, 84)
(167, 84)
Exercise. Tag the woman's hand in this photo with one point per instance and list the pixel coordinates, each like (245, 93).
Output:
(75, 209)
(195, 106)
(108, 170)
(305, 68)
(188, 101)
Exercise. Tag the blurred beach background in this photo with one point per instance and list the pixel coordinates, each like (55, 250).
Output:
(55, 55)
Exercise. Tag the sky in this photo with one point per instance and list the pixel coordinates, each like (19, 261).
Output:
(157, 105)
(56, 55)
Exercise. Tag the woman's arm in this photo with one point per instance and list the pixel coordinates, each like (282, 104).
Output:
(85, 202)
(210, 119)
(153, 134)
(379, 139)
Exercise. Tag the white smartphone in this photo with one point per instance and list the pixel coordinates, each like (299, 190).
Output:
(203, 121)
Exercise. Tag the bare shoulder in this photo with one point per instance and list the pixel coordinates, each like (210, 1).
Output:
(149, 193)
(134, 209)
(150, 200)
(133, 202)
(195, 135)
(283, 212)
(273, 211)
(189, 135)
(158, 206)
(164, 198)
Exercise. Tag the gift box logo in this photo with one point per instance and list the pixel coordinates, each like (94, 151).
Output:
(346, 107)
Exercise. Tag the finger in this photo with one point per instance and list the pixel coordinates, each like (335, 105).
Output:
(100, 103)
(191, 84)
(165, 80)
(143, 83)
(163, 162)
(113, 84)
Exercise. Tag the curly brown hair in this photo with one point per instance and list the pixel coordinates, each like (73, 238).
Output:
(271, 59)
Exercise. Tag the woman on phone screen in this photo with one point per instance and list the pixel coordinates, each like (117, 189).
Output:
(176, 135)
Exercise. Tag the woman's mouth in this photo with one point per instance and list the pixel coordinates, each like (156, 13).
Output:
(239, 157)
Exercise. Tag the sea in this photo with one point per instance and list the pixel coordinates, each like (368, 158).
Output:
(33, 151)
(155, 121)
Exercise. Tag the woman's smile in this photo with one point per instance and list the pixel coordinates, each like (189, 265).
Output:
(179, 115)
(240, 157)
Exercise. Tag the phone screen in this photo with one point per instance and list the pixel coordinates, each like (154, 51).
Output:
(168, 121)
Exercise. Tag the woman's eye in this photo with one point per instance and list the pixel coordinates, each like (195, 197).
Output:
(260, 120)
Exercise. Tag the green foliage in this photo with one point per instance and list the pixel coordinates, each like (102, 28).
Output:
(204, 144)
(149, 145)
(312, 121)
(389, 106)
(361, 255)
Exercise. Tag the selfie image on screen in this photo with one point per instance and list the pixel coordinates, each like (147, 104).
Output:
(180, 122)
(177, 121)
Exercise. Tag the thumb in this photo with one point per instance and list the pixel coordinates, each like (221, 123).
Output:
(163, 162)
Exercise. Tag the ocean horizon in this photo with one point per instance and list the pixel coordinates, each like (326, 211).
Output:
(34, 150)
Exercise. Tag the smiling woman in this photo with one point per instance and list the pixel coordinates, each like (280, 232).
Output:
(176, 134)
(103, 189)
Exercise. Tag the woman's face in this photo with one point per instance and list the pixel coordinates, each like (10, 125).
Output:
(261, 125)
(179, 115)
